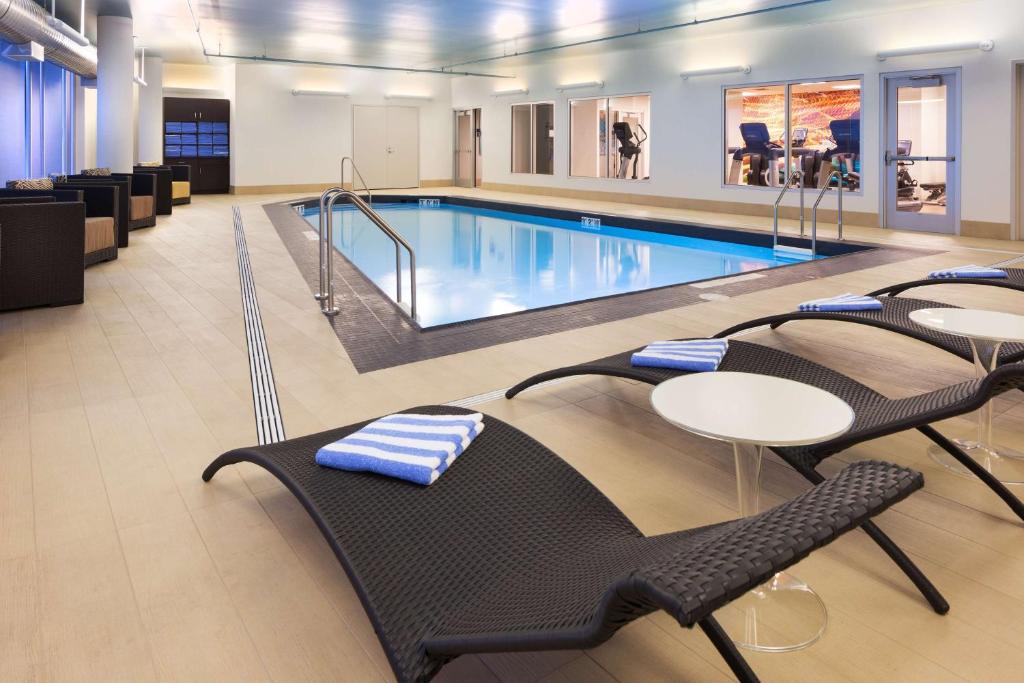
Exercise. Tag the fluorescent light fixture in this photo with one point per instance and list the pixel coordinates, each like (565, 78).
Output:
(738, 69)
(513, 91)
(25, 52)
(580, 86)
(983, 45)
(318, 93)
(399, 96)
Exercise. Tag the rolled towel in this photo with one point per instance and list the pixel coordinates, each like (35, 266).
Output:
(695, 355)
(408, 446)
(971, 271)
(843, 302)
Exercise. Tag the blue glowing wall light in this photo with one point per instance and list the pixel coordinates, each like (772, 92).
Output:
(37, 117)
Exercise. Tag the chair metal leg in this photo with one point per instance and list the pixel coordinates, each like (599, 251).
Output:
(906, 565)
(723, 643)
(976, 469)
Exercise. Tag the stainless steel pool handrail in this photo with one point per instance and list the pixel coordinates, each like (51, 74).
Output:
(321, 294)
(839, 200)
(327, 245)
(797, 175)
(355, 173)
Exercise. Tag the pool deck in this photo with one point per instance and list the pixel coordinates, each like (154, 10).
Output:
(118, 563)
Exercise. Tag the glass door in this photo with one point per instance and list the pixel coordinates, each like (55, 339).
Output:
(465, 149)
(922, 152)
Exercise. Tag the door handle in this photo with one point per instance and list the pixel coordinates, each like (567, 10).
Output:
(890, 158)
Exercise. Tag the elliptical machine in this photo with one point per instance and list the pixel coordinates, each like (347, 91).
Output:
(630, 147)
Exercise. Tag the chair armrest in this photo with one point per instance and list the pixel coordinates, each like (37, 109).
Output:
(729, 559)
(100, 200)
(182, 172)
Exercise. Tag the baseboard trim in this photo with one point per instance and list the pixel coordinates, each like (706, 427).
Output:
(315, 187)
(715, 206)
(985, 229)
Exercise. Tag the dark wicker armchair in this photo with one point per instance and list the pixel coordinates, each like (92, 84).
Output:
(101, 204)
(164, 187)
(41, 246)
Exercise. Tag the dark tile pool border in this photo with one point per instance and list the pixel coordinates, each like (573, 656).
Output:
(377, 335)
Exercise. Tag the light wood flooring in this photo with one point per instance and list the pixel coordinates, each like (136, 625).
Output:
(118, 564)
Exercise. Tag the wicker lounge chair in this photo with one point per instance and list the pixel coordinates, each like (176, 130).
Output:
(894, 317)
(101, 202)
(41, 246)
(124, 200)
(514, 550)
(181, 184)
(1014, 280)
(164, 187)
(876, 416)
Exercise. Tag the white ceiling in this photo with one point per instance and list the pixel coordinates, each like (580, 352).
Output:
(439, 33)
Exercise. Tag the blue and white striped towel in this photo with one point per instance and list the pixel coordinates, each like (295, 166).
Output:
(696, 355)
(409, 446)
(843, 302)
(966, 272)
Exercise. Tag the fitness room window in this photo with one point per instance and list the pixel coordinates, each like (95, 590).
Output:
(609, 137)
(823, 133)
(533, 138)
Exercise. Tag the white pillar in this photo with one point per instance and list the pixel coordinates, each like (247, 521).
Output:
(116, 69)
(151, 112)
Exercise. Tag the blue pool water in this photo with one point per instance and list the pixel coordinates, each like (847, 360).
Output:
(475, 263)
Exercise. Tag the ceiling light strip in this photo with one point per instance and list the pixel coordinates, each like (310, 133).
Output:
(318, 93)
(581, 86)
(715, 71)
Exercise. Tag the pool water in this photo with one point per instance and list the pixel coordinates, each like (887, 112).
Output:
(475, 263)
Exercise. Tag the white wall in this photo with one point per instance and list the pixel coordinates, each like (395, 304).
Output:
(686, 154)
(282, 139)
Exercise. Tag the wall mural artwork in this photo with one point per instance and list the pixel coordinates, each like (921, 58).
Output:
(812, 110)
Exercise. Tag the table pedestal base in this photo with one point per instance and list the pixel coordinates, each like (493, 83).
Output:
(782, 615)
(1005, 465)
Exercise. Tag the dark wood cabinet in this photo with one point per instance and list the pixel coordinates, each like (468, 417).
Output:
(197, 133)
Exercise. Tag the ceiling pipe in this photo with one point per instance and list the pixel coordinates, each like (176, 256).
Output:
(23, 21)
(443, 71)
(637, 32)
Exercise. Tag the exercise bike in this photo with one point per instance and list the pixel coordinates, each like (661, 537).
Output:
(630, 147)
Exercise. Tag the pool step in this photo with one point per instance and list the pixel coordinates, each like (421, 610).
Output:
(798, 253)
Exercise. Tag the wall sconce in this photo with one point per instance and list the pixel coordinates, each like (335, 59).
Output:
(983, 45)
(319, 93)
(738, 69)
(581, 86)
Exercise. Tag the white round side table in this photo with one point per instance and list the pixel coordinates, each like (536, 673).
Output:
(986, 331)
(754, 411)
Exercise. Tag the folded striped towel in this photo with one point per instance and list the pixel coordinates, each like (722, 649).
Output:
(409, 446)
(696, 355)
(967, 272)
(843, 302)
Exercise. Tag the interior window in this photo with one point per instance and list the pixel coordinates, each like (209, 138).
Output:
(609, 137)
(533, 138)
(822, 135)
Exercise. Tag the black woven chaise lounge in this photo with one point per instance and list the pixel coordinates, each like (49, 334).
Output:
(513, 550)
(1014, 280)
(894, 317)
(875, 416)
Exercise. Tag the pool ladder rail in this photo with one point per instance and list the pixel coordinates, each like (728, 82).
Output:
(798, 176)
(325, 295)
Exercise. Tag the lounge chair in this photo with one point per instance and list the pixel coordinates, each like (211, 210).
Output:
(101, 203)
(513, 550)
(142, 188)
(1014, 280)
(894, 317)
(41, 246)
(164, 186)
(876, 416)
(124, 200)
(181, 185)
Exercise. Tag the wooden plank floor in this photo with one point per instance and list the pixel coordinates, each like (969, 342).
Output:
(118, 564)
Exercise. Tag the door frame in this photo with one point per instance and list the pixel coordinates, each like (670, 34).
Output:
(456, 113)
(883, 134)
(1017, 138)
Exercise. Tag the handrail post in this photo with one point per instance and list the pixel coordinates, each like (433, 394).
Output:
(800, 179)
(838, 176)
(778, 200)
(329, 309)
(321, 293)
(839, 218)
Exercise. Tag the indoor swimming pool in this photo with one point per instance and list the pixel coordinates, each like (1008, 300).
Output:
(475, 262)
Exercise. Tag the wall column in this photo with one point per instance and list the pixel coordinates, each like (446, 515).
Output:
(114, 121)
(151, 112)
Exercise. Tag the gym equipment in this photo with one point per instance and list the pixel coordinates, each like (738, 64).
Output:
(763, 156)
(630, 147)
(845, 156)
(906, 186)
(809, 158)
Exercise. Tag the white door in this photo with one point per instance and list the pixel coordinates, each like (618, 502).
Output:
(922, 152)
(403, 146)
(369, 144)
